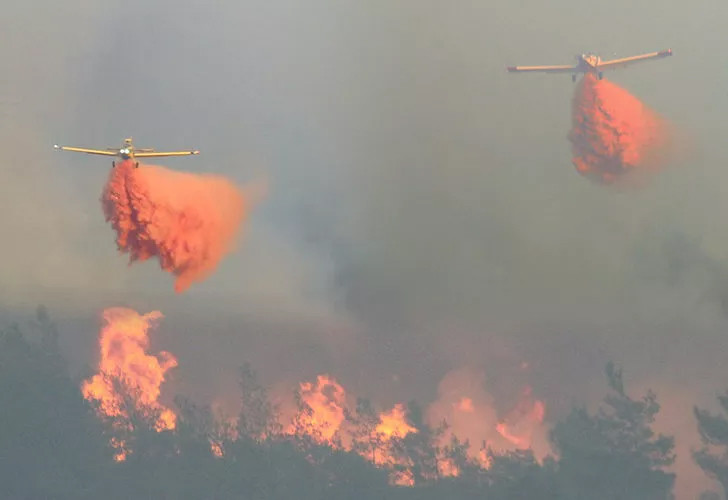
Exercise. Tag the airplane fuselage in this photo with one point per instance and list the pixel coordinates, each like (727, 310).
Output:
(588, 63)
(127, 151)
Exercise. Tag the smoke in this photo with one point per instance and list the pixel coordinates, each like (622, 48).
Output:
(440, 172)
(471, 413)
(189, 221)
(614, 135)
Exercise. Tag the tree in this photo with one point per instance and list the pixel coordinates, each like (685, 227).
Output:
(614, 454)
(363, 423)
(517, 474)
(714, 433)
(52, 444)
(258, 418)
(417, 453)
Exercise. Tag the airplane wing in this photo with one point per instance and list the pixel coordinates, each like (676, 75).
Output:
(156, 154)
(625, 61)
(89, 151)
(543, 69)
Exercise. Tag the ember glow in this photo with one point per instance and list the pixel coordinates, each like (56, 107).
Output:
(189, 221)
(614, 135)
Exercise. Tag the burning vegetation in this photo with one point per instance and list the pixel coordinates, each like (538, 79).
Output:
(128, 384)
(56, 446)
(129, 379)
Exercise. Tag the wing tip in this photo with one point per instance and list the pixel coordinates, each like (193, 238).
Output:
(511, 69)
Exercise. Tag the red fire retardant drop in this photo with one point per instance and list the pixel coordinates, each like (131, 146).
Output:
(614, 136)
(187, 220)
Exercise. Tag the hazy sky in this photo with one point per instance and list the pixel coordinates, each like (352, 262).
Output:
(423, 213)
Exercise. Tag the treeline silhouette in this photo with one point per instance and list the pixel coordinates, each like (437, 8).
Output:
(53, 445)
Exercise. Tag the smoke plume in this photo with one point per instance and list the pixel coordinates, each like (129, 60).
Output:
(187, 220)
(470, 411)
(614, 135)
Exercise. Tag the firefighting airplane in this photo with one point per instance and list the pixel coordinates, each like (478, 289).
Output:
(592, 63)
(127, 152)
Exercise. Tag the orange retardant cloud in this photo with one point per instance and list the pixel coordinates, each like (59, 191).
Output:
(614, 135)
(189, 221)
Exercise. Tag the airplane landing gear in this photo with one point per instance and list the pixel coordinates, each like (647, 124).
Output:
(573, 77)
(136, 165)
(113, 164)
(600, 75)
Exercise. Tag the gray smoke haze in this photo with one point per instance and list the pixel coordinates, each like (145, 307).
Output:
(423, 213)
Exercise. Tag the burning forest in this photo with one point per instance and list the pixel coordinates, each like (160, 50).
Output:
(423, 310)
(127, 390)
(115, 438)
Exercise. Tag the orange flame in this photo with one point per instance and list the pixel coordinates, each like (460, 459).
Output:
(323, 417)
(188, 220)
(613, 133)
(393, 424)
(326, 401)
(216, 449)
(448, 468)
(121, 449)
(463, 403)
(123, 343)
(324, 407)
